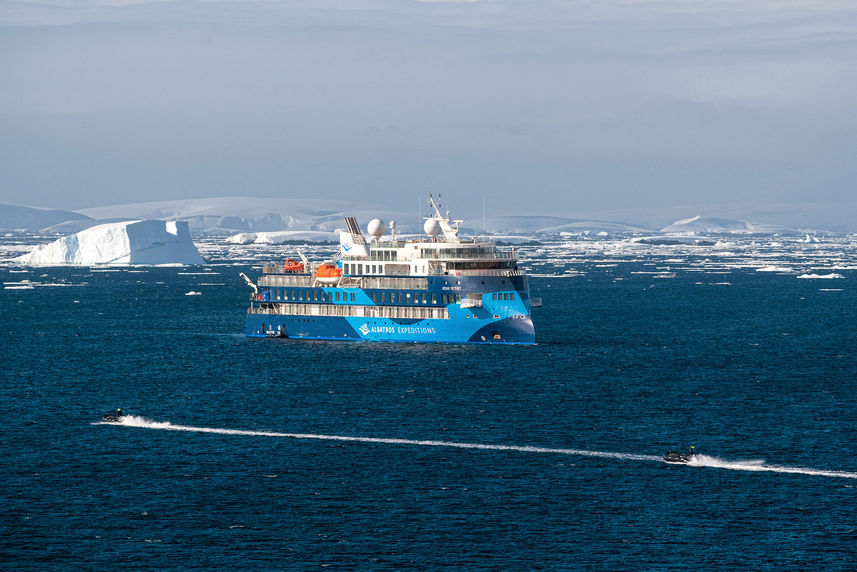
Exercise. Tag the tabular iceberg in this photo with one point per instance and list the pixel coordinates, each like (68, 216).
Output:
(127, 242)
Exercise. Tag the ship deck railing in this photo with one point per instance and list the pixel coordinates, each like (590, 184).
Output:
(350, 310)
(372, 282)
(439, 258)
(376, 282)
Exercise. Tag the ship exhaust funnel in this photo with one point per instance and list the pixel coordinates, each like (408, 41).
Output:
(354, 229)
(352, 242)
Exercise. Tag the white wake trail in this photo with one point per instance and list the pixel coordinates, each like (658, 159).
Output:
(761, 467)
(135, 421)
(698, 461)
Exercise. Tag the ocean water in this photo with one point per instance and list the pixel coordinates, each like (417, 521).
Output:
(277, 454)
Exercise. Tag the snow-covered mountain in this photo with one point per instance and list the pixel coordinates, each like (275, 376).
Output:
(33, 218)
(533, 224)
(259, 215)
(712, 225)
(254, 214)
(284, 237)
(271, 215)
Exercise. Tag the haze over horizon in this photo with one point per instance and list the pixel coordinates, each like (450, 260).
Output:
(712, 108)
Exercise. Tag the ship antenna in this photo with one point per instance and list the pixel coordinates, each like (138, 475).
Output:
(483, 214)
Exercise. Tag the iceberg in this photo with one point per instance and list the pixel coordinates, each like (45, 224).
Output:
(126, 242)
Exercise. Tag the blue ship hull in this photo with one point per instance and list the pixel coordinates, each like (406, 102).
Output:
(503, 316)
(454, 330)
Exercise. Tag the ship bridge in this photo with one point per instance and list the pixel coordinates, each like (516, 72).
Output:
(428, 258)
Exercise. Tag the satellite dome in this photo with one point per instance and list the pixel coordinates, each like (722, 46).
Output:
(376, 228)
(432, 227)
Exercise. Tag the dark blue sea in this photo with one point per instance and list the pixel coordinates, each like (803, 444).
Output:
(235, 457)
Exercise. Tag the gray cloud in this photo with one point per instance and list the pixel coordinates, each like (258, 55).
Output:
(542, 107)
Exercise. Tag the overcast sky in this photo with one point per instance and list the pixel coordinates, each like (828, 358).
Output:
(545, 107)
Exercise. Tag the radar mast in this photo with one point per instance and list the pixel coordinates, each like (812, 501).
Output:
(450, 233)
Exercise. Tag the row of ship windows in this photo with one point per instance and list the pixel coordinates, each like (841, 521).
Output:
(312, 296)
(358, 268)
(377, 297)
(458, 253)
(378, 254)
(398, 282)
(354, 269)
(503, 296)
(392, 255)
(413, 312)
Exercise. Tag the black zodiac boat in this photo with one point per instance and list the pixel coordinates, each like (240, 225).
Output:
(675, 457)
(112, 417)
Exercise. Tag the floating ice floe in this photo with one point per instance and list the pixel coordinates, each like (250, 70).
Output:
(30, 285)
(822, 276)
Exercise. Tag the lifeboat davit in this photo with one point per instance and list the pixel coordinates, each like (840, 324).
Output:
(293, 266)
(328, 273)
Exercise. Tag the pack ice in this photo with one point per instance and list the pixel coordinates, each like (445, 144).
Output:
(127, 242)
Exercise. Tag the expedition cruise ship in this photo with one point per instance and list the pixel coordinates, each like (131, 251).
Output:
(439, 289)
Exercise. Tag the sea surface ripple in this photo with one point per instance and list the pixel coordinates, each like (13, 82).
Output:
(275, 454)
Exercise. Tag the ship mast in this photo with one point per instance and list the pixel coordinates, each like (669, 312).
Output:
(450, 233)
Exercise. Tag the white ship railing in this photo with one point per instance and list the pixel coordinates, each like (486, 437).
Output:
(414, 256)
(351, 311)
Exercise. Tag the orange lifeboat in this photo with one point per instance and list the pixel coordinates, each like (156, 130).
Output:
(292, 266)
(328, 273)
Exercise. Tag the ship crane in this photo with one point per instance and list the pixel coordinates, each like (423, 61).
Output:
(305, 261)
(249, 282)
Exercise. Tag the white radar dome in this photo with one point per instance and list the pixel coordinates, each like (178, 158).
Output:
(376, 228)
(432, 227)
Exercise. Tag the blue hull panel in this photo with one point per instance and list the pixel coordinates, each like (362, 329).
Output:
(461, 330)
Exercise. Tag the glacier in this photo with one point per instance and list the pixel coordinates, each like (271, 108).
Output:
(713, 225)
(23, 217)
(126, 242)
(263, 219)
